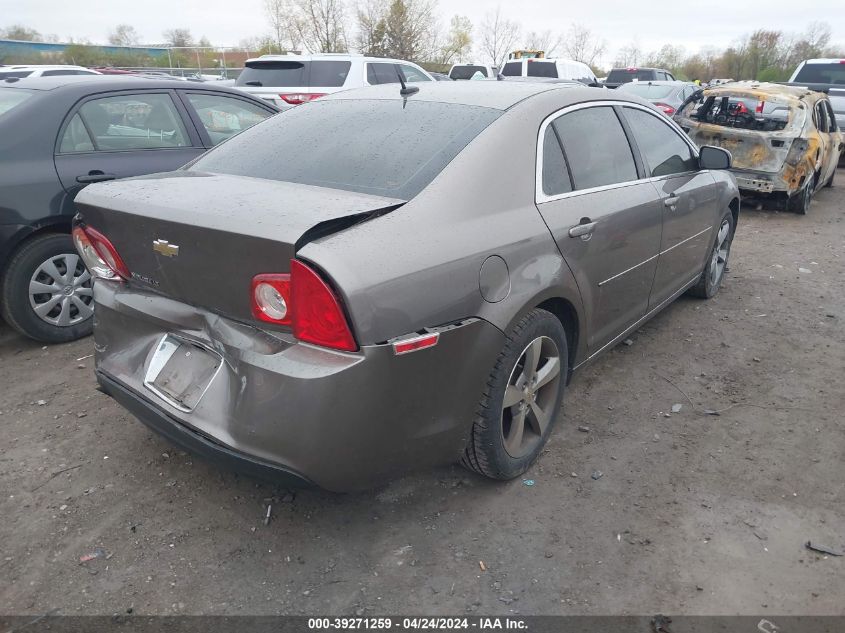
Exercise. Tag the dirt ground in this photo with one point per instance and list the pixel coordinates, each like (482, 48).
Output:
(690, 513)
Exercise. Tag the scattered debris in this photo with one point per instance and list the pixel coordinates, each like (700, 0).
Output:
(573, 474)
(711, 412)
(676, 408)
(56, 474)
(660, 623)
(628, 342)
(528, 482)
(98, 552)
(267, 516)
(78, 360)
(482, 566)
(822, 549)
(584, 429)
(597, 474)
(804, 270)
(41, 403)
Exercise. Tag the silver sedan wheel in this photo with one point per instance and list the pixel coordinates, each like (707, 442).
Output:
(720, 253)
(60, 291)
(527, 409)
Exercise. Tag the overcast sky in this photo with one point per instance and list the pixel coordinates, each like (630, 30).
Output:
(689, 24)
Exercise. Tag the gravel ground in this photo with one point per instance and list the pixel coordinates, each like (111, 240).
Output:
(633, 508)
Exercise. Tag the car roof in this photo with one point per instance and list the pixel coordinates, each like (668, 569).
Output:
(42, 67)
(659, 82)
(83, 83)
(825, 60)
(499, 95)
(307, 57)
(757, 89)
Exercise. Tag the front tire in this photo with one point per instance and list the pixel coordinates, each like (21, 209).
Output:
(717, 263)
(46, 292)
(522, 399)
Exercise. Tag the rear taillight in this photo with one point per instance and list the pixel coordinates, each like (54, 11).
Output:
(299, 98)
(99, 254)
(666, 108)
(760, 106)
(305, 302)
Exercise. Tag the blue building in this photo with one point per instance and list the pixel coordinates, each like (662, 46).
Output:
(17, 47)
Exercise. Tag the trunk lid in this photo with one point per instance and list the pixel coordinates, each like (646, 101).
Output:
(201, 238)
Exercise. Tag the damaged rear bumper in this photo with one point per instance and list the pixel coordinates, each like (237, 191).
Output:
(280, 409)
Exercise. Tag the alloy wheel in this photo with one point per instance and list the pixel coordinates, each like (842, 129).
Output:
(530, 396)
(720, 253)
(60, 291)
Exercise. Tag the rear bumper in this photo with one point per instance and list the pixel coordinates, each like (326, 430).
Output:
(281, 408)
(159, 421)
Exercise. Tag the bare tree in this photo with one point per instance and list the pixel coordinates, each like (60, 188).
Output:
(582, 45)
(629, 55)
(498, 36)
(370, 36)
(124, 35)
(20, 32)
(411, 29)
(543, 41)
(320, 25)
(458, 42)
(178, 38)
(282, 16)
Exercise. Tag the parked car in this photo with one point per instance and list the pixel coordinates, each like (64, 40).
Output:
(784, 139)
(827, 75)
(618, 76)
(58, 134)
(666, 96)
(382, 305)
(470, 71)
(42, 70)
(550, 68)
(290, 80)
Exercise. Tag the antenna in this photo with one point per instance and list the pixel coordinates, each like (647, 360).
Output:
(405, 91)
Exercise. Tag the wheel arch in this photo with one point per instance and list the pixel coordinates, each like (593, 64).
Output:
(53, 224)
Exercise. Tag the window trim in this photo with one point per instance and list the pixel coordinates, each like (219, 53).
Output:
(540, 197)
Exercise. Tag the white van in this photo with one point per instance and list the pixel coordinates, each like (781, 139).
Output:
(553, 68)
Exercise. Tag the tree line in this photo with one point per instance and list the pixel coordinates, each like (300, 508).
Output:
(413, 30)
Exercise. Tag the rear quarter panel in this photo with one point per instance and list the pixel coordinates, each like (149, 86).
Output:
(419, 266)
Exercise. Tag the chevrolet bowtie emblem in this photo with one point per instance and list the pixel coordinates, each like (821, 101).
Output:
(165, 248)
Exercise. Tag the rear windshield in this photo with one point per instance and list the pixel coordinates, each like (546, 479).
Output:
(741, 111)
(649, 91)
(295, 74)
(11, 97)
(542, 69)
(466, 72)
(624, 75)
(512, 69)
(381, 147)
(822, 74)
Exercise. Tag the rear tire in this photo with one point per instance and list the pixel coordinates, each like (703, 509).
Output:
(522, 398)
(829, 182)
(66, 301)
(717, 262)
(800, 203)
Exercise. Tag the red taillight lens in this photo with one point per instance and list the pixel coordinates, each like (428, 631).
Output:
(99, 254)
(667, 109)
(317, 315)
(305, 302)
(299, 98)
(760, 106)
(271, 298)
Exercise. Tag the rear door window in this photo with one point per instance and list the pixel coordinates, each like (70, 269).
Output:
(664, 151)
(600, 152)
(412, 75)
(19, 74)
(64, 71)
(542, 69)
(132, 122)
(466, 72)
(555, 174)
(223, 117)
(76, 137)
(512, 69)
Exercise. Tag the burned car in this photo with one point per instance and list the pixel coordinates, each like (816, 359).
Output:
(784, 139)
(380, 304)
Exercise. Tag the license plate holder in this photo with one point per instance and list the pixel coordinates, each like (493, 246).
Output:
(180, 371)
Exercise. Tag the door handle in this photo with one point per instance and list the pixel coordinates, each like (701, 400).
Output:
(95, 175)
(582, 230)
(671, 202)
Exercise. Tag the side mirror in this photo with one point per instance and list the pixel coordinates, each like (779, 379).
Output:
(714, 158)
